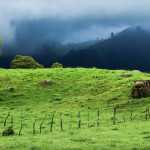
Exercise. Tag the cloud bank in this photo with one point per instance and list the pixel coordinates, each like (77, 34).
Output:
(29, 22)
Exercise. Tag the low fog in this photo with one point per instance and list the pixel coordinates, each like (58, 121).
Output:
(25, 25)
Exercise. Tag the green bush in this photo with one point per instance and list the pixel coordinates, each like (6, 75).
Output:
(24, 62)
(57, 65)
(9, 131)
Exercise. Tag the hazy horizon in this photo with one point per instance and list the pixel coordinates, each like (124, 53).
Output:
(69, 20)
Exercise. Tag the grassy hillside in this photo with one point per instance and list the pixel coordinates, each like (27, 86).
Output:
(71, 91)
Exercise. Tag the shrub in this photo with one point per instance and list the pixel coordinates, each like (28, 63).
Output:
(9, 131)
(57, 65)
(24, 62)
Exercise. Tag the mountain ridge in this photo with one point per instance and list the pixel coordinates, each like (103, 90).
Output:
(128, 49)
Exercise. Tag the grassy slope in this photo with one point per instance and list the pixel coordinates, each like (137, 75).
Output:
(71, 91)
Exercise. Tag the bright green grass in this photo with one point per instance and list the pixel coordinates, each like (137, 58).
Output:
(73, 90)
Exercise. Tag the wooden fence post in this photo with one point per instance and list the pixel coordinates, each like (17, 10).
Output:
(12, 122)
(21, 124)
(146, 113)
(52, 121)
(98, 118)
(34, 127)
(114, 122)
(79, 125)
(124, 118)
(131, 113)
(141, 109)
(61, 121)
(107, 115)
(5, 123)
(70, 120)
(42, 123)
(88, 120)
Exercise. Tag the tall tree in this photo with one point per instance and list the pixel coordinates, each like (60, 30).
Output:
(112, 34)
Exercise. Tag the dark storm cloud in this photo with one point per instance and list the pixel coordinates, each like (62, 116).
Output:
(29, 22)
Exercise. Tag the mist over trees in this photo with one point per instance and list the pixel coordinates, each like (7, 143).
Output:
(46, 52)
(127, 50)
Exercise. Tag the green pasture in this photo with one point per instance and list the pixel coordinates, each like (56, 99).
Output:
(73, 90)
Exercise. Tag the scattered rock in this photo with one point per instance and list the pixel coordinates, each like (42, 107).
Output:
(136, 70)
(47, 82)
(9, 89)
(89, 99)
(125, 75)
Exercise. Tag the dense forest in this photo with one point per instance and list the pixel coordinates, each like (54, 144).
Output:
(128, 49)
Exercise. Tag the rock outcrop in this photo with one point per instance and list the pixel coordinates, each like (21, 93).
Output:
(141, 88)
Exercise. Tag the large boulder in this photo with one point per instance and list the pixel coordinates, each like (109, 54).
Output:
(141, 88)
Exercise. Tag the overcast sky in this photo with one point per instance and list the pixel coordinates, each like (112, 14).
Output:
(69, 20)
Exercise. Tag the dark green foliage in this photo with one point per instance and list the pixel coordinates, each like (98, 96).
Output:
(24, 62)
(9, 131)
(1, 40)
(57, 65)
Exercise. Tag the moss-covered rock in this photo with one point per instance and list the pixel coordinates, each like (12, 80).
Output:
(140, 84)
(141, 89)
(125, 75)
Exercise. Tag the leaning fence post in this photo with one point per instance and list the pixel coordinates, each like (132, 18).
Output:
(21, 124)
(124, 119)
(12, 122)
(34, 127)
(61, 121)
(114, 122)
(88, 120)
(98, 118)
(131, 113)
(5, 123)
(141, 109)
(70, 120)
(42, 123)
(52, 121)
(107, 115)
(146, 113)
(79, 120)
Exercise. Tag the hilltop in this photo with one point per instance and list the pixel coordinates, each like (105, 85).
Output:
(70, 87)
(128, 49)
